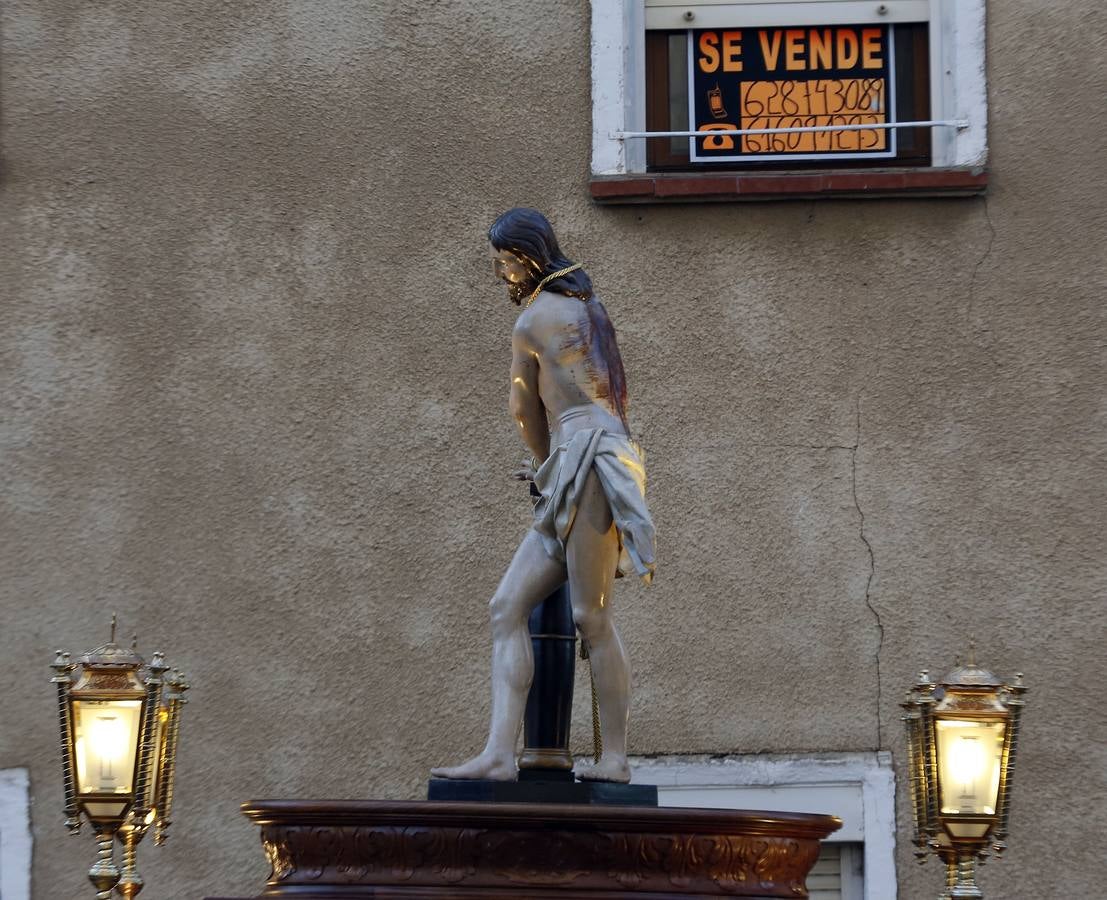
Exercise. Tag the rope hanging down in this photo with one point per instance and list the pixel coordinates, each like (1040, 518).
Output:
(597, 737)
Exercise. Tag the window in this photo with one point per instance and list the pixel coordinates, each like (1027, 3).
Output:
(894, 87)
(857, 862)
(792, 96)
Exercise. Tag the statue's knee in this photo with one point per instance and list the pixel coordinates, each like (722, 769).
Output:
(594, 624)
(502, 612)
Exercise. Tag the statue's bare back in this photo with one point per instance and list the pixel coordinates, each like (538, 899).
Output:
(555, 354)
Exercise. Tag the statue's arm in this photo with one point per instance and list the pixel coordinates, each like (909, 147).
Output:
(526, 405)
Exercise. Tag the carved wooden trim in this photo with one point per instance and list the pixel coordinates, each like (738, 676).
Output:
(421, 849)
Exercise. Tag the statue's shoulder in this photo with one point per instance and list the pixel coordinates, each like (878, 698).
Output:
(524, 320)
(524, 329)
(537, 313)
(547, 315)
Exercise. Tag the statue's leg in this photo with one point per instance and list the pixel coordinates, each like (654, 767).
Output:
(592, 554)
(531, 577)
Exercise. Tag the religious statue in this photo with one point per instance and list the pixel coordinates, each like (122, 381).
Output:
(568, 397)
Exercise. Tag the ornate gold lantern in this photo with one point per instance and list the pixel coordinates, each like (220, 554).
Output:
(962, 735)
(119, 720)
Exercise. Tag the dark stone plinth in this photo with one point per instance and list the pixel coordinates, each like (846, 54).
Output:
(581, 792)
(341, 849)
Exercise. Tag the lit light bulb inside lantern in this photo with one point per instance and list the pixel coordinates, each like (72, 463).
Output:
(109, 738)
(966, 760)
(106, 744)
(969, 763)
(82, 765)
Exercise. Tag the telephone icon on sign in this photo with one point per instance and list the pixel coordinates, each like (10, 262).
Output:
(718, 142)
(715, 102)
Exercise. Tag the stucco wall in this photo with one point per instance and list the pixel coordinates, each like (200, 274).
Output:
(253, 384)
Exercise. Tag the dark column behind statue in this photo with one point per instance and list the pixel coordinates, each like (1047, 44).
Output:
(553, 636)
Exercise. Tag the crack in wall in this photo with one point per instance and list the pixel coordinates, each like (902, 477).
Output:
(975, 274)
(853, 449)
(872, 574)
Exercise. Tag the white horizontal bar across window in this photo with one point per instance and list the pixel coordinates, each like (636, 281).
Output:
(799, 129)
(664, 14)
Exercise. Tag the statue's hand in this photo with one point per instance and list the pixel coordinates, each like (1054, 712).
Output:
(526, 472)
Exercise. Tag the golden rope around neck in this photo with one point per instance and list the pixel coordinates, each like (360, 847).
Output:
(552, 277)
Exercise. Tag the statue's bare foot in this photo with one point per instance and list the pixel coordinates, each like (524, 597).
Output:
(611, 767)
(490, 766)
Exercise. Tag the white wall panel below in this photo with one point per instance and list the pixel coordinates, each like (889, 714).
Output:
(15, 834)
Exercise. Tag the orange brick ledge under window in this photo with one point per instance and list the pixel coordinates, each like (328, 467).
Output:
(683, 187)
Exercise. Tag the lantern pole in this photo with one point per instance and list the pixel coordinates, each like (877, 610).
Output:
(950, 859)
(130, 882)
(104, 873)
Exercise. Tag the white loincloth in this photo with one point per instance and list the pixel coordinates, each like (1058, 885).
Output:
(622, 475)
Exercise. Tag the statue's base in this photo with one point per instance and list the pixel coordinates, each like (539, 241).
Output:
(527, 791)
(347, 849)
(536, 774)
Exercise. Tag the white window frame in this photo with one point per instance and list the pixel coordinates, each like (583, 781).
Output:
(15, 834)
(958, 87)
(859, 788)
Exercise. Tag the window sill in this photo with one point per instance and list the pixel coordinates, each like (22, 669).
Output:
(684, 187)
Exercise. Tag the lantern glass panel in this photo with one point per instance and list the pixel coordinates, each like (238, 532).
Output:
(101, 810)
(969, 758)
(106, 742)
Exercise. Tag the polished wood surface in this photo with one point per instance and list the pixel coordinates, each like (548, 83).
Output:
(325, 850)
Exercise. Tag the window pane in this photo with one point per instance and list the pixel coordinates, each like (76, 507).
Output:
(678, 90)
(667, 99)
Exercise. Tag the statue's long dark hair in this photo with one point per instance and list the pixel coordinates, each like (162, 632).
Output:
(528, 234)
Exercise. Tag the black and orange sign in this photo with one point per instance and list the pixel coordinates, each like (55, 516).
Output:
(760, 78)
